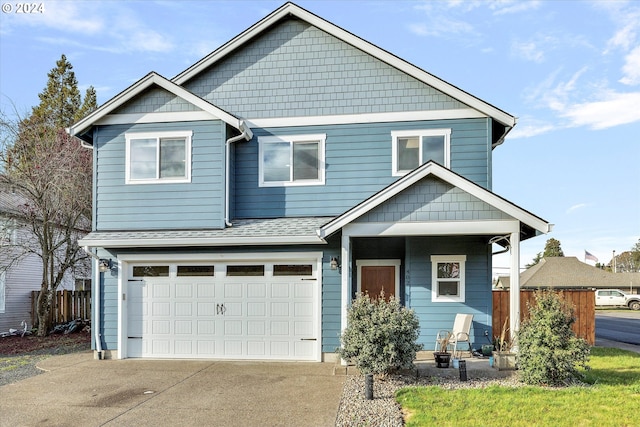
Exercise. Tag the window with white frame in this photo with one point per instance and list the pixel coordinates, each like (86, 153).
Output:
(412, 148)
(160, 157)
(448, 278)
(2, 291)
(8, 233)
(291, 160)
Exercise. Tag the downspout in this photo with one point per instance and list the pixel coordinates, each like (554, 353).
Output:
(247, 135)
(96, 313)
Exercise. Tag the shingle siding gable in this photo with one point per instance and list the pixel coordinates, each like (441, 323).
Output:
(296, 69)
(433, 200)
(156, 100)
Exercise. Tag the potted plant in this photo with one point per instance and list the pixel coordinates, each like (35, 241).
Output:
(503, 358)
(442, 356)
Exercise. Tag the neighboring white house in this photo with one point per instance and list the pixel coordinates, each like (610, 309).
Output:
(17, 281)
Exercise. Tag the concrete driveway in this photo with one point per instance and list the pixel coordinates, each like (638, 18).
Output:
(77, 390)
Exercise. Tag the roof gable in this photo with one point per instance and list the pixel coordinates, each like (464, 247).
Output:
(432, 199)
(296, 70)
(534, 225)
(141, 87)
(290, 9)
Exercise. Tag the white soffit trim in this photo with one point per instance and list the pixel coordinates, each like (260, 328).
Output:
(442, 228)
(381, 54)
(446, 175)
(180, 116)
(137, 88)
(463, 113)
(231, 241)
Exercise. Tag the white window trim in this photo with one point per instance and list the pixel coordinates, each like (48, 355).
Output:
(419, 133)
(291, 139)
(157, 135)
(3, 291)
(435, 259)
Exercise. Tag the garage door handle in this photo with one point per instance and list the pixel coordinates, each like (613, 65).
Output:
(308, 339)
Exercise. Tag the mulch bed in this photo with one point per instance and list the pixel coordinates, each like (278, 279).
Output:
(15, 345)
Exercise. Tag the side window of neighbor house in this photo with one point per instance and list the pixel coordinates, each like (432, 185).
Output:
(448, 278)
(416, 147)
(2, 292)
(291, 160)
(8, 231)
(161, 157)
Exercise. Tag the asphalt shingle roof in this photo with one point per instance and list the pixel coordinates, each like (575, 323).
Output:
(243, 231)
(570, 272)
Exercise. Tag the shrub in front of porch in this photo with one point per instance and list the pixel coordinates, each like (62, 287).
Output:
(380, 336)
(549, 351)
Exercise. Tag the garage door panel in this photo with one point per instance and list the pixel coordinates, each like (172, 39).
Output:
(279, 290)
(206, 327)
(183, 327)
(184, 309)
(183, 348)
(236, 317)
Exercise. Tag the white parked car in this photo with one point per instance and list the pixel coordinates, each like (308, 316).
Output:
(616, 297)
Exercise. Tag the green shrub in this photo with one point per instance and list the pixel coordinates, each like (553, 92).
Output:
(380, 335)
(549, 353)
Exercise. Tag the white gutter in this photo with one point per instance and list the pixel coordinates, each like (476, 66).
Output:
(95, 322)
(246, 134)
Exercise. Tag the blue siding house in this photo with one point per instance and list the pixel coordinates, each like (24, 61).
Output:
(241, 205)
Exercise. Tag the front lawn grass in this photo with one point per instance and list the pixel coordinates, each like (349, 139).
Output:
(607, 399)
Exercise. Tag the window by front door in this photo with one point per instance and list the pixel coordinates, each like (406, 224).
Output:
(291, 160)
(448, 278)
(379, 276)
(412, 148)
(160, 157)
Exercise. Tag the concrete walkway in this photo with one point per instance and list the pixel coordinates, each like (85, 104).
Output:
(80, 391)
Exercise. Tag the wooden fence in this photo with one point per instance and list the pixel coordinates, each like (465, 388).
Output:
(583, 302)
(67, 306)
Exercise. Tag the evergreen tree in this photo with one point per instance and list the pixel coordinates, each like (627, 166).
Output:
(51, 173)
(552, 249)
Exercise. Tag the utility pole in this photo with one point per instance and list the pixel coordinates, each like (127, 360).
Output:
(614, 261)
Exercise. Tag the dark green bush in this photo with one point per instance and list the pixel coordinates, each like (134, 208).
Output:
(549, 353)
(380, 335)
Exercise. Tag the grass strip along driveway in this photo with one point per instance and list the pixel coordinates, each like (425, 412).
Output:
(612, 384)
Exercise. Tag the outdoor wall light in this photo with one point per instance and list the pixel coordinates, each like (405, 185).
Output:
(335, 264)
(104, 265)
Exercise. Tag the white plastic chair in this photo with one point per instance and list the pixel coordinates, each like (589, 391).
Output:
(460, 333)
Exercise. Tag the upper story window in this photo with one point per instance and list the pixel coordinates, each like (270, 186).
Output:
(448, 278)
(291, 160)
(160, 157)
(412, 148)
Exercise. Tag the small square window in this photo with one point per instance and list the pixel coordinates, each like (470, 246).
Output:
(291, 160)
(448, 278)
(414, 148)
(161, 157)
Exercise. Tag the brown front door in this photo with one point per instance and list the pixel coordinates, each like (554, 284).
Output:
(378, 278)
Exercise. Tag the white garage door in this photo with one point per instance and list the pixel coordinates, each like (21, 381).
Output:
(230, 311)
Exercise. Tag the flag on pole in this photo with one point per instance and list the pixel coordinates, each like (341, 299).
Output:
(587, 256)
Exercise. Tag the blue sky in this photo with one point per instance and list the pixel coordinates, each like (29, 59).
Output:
(570, 72)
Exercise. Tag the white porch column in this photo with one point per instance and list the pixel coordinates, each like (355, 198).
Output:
(345, 261)
(514, 288)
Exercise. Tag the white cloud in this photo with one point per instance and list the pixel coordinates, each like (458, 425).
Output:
(504, 7)
(529, 127)
(613, 109)
(441, 27)
(576, 207)
(64, 16)
(528, 51)
(631, 68)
